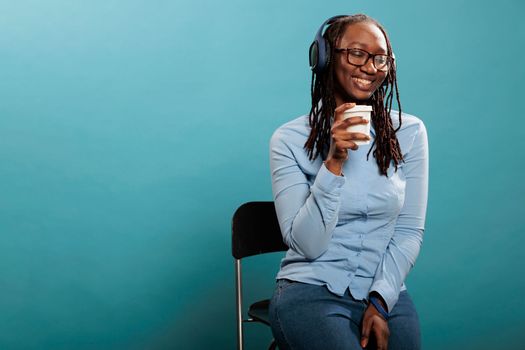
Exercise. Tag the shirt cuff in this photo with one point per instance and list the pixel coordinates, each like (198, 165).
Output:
(383, 290)
(328, 181)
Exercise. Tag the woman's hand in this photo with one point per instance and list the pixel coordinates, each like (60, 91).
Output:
(342, 140)
(374, 323)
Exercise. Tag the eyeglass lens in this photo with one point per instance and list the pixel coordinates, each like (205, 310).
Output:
(359, 58)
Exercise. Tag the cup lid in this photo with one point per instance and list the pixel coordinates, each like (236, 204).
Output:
(359, 108)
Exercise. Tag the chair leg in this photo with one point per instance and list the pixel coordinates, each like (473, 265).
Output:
(238, 292)
(273, 345)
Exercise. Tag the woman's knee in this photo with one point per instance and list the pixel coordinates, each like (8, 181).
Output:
(404, 325)
(310, 317)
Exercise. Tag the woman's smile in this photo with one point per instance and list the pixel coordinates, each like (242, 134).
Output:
(363, 83)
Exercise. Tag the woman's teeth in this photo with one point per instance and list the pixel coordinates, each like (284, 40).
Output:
(364, 82)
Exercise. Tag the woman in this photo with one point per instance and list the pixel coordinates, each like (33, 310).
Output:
(353, 223)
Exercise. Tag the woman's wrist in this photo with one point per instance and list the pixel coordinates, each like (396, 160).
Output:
(379, 303)
(335, 166)
(378, 296)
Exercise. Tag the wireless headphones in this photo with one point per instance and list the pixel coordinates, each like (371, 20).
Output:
(320, 49)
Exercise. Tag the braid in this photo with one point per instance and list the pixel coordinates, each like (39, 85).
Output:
(323, 104)
(387, 147)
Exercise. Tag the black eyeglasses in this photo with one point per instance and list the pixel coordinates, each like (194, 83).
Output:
(358, 57)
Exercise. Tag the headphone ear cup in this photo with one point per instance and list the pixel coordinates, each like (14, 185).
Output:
(320, 48)
(314, 56)
(328, 56)
(318, 55)
(323, 55)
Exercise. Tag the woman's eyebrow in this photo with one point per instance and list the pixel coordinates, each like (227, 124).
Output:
(362, 45)
(357, 43)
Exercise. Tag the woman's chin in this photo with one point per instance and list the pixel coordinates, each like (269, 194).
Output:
(358, 97)
(361, 99)
(361, 96)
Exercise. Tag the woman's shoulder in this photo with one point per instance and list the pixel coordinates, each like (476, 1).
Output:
(293, 132)
(409, 122)
(412, 131)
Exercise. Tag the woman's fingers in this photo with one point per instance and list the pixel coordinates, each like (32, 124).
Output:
(346, 144)
(381, 334)
(376, 327)
(365, 331)
(352, 136)
(339, 111)
(348, 122)
(343, 107)
(345, 123)
(346, 140)
(342, 140)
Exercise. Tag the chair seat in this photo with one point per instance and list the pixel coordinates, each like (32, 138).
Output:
(259, 311)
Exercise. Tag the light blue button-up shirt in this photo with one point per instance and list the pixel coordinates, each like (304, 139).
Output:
(362, 230)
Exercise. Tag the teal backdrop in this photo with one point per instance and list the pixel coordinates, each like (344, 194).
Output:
(131, 130)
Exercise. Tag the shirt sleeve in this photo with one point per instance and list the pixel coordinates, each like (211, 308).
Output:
(307, 214)
(404, 246)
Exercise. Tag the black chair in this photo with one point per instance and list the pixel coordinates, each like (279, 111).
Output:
(255, 230)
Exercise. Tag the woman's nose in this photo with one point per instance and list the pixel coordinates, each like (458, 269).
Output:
(369, 67)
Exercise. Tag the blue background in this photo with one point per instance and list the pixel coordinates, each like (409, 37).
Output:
(131, 130)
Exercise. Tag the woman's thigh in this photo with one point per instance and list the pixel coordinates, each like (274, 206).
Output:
(403, 324)
(305, 316)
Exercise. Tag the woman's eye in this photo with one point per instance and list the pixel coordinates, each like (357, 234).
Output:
(381, 59)
(357, 53)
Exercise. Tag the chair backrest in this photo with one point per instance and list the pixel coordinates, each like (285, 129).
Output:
(255, 230)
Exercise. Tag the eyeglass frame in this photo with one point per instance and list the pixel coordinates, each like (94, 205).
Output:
(390, 59)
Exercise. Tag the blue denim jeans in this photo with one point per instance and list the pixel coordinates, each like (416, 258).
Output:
(306, 316)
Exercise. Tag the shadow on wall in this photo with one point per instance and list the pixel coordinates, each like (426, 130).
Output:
(203, 324)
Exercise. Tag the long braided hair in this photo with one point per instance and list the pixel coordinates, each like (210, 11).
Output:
(323, 104)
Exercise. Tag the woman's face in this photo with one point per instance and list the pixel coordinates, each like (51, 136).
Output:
(354, 83)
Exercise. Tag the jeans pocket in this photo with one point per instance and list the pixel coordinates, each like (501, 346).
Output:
(284, 284)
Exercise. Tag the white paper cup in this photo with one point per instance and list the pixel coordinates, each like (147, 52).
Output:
(359, 111)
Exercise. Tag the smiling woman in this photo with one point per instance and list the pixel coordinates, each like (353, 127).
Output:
(358, 79)
(354, 227)
(358, 76)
